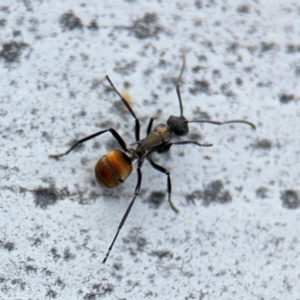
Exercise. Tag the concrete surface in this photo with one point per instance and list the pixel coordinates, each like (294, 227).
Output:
(237, 233)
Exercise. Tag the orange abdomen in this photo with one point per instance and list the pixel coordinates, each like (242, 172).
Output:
(113, 169)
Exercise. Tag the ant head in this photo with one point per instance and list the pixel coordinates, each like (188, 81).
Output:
(178, 125)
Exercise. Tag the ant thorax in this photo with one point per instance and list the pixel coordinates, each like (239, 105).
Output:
(159, 136)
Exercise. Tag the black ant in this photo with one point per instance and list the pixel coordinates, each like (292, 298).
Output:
(113, 168)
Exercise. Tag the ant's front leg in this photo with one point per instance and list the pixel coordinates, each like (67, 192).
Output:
(149, 128)
(111, 130)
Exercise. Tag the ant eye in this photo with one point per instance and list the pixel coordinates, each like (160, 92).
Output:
(179, 125)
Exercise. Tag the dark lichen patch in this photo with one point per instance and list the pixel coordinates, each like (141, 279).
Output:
(125, 68)
(297, 70)
(162, 254)
(169, 81)
(194, 136)
(217, 74)
(119, 108)
(96, 83)
(192, 196)
(9, 246)
(51, 294)
(232, 48)
(290, 199)
(68, 255)
(90, 296)
(117, 266)
(2, 23)
(95, 195)
(132, 284)
(47, 272)
(55, 253)
(135, 241)
(46, 136)
(263, 144)
(198, 4)
(266, 47)
(93, 25)
(99, 290)
(292, 49)
(103, 289)
(262, 192)
(149, 294)
(214, 192)
(202, 58)
(263, 84)
(226, 91)
(162, 63)
(200, 115)
(68, 21)
(30, 269)
(36, 242)
(17, 33)
(286, 98)
(34, 24)
(126, 85)
(155, 199)
(146, 27)
(239, 81)
(45, 197)
(12, 51)
(200, 87)
(196, 69)
(243, 9)
(60, 283)
(18, 282)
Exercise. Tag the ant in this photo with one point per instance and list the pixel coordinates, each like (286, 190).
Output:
(113, 168)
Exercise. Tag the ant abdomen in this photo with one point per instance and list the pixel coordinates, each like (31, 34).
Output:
(113, 168)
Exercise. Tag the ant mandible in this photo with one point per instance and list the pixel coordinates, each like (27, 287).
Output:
(113, 168)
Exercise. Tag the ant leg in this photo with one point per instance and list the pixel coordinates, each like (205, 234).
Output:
(190, 142)
(137, 121)
(136, 192)
(150, 125)
(111, 130)
(163, 170)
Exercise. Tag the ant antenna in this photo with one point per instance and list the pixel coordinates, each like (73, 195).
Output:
(178, 83)
(137, 122)
(179, 99)
(223, 123)
(182, 69)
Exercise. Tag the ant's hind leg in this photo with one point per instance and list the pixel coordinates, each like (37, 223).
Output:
(163, 170)
(136, 192)
(111, 130)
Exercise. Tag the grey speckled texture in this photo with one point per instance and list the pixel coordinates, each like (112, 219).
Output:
(237, 234)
